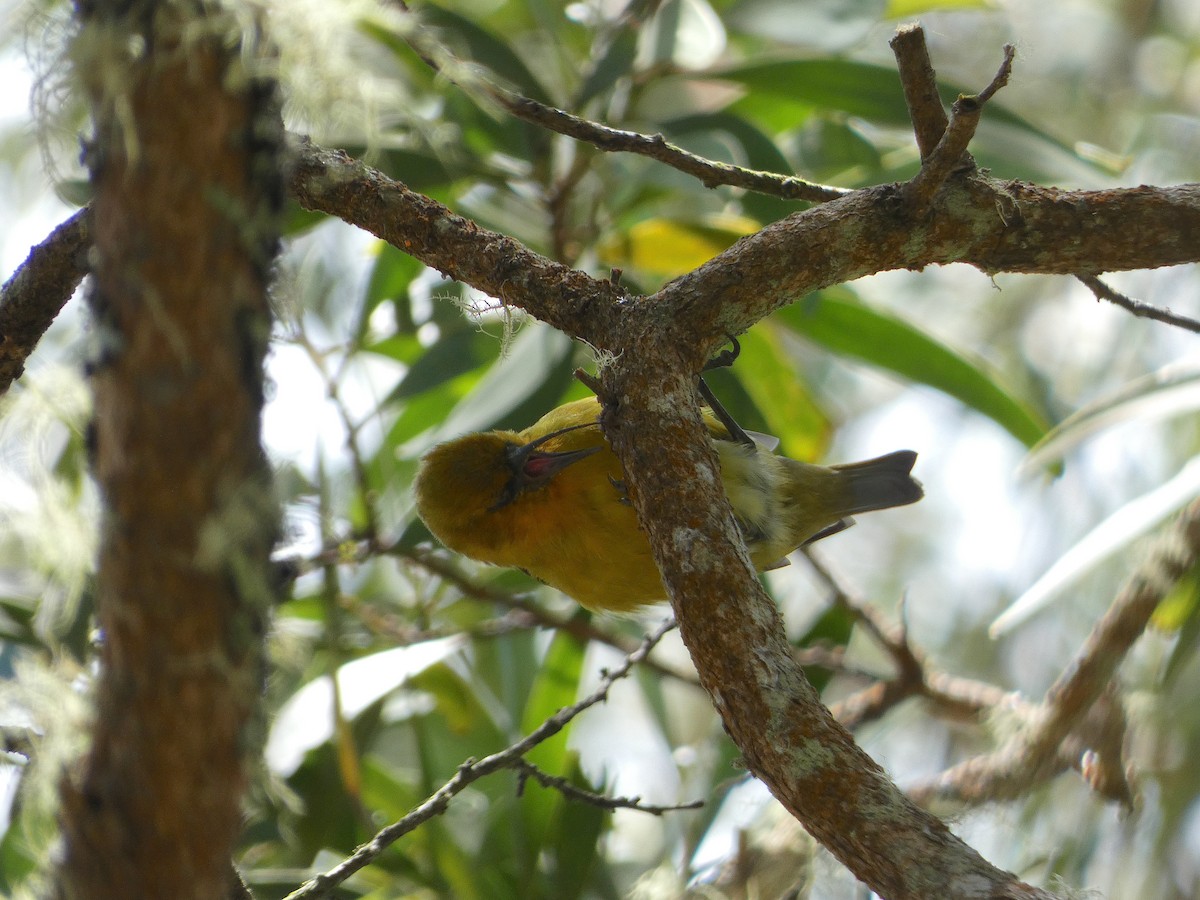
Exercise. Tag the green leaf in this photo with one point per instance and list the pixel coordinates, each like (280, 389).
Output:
(1173, 390)
(833, 148)
(758, 151)
(556, 686)
(486, 49)
(903, 9)
(576, 840)
(859, 89)
(1117, 532)
(515, 392)
(824, 25)
(681, 33)
(615, 64)
(832, 629)
(391, 277)
(452, 355)
(789, 410)
(297, 219)
(422, 171)
(851, 329)
(780, 92)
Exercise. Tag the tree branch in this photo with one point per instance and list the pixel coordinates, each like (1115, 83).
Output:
(525, 769)
(708, 172)
(1137, 307)
(950, 152)
(38, 290)
(332, 182)
(1032, 755)
(526, 612)
(919, 83)
(470, 772)
(995, 226)
(733, 631)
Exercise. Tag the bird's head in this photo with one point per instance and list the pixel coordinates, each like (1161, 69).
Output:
(464, 486)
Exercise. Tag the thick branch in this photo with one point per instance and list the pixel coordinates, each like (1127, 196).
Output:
(332, 182)
(184, 235)
(995, 226)
(732, 629)
(992, 225)
(38, 290)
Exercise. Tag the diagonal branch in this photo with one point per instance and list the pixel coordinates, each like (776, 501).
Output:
(710, 173)
(468, 773)
(527, 770)
(1137, 307)
(332, 182)
(734, 634)
(38, 290)
(1033, 754)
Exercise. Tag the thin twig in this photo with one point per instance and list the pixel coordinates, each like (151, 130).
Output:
(709, 172)
(401, 634)
(525, 769)
(349, 552)
(951, 696)
(357, 462)
(950, 154)
(1093, 747)
(919, 82)
(1137, 307)
(469, 772)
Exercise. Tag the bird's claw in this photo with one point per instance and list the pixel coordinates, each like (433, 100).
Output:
(623, 499)
(725, 358)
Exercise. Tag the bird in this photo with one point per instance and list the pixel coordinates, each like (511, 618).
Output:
(550, 500)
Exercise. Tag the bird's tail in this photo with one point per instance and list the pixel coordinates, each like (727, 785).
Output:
(880, 483)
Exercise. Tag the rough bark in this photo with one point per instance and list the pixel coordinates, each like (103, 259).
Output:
(659, 343)
(184, 165)
(37, 292)
(732, 629)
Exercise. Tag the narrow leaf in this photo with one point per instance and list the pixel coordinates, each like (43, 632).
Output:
(1125, 525)
(851, 329)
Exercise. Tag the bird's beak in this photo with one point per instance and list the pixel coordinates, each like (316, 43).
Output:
(533, 466)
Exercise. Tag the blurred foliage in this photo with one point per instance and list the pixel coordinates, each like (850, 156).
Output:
(377, 358)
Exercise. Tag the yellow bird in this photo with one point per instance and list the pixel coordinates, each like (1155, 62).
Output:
(549, 500)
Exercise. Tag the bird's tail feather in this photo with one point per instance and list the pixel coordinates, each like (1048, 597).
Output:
(881, 483)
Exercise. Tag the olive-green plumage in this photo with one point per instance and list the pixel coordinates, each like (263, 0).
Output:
(548, 500)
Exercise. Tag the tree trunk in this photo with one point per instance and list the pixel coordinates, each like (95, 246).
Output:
(185, 171)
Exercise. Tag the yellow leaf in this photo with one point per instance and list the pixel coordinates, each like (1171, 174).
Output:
(666, 247)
